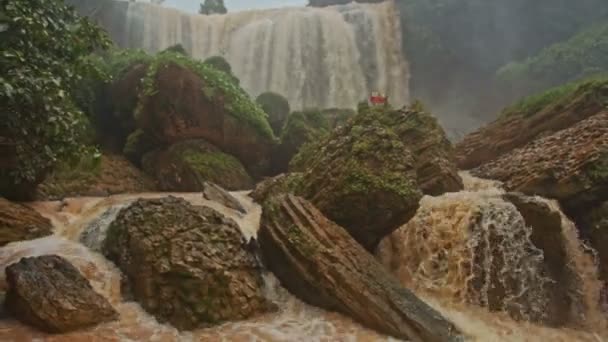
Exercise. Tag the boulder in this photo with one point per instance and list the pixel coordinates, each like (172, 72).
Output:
(531, 119)
(186, 166)
(570, 166)
(300, 128)
(277, 108)
(191, 100)
(111, 174)
(19, 223)
(503, 252)
(370, 173)
(286, 183)
(319, 262)
(214, 192)
(186, 265)
(49, 293)
(594, 228)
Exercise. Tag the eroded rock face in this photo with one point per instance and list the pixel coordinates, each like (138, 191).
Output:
(594, 226)
(19, 223)
(186, 265)
(517, 128)
(49, 293)
(186, 166)
(322, 264)
(113, 175)
(180, 110)
(570, 166)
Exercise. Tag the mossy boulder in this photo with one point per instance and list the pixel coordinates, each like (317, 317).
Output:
(364, 179)
(137, 145)
(300, 128)
(186, 265)
(108, 175)
(186, 99)
(286, 183)
(277, 108)
(188, 165)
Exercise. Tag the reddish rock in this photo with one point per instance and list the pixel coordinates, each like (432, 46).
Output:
(19, 223)
(49, 293)
(179, 110)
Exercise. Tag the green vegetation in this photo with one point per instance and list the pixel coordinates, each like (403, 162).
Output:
(277, 108)
(213, 7)
(559, 96)
(43, 59)
(213, 166)
(220, 63)
(583, 55)
(236, 101)
(177, 48)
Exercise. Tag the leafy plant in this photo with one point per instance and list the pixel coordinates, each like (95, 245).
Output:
(44, 46)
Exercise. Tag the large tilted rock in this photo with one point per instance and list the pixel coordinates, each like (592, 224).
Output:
(186, 265)
(570, 166)
(322, 264)
(49, 293)
(19, 223)
(186, 166)
(193, 101)
(533, 118)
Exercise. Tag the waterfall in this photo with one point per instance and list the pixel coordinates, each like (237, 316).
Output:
(329, 57)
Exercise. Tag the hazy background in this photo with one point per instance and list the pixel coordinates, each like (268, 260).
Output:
(235, 5)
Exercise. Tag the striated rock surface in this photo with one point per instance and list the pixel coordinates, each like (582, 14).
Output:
(186, 265)
(112, 174)
(285, 183)
(570, 166)
(321, 263)
(186, 166)
(19, 223)
(49, 293)
(193, 101)
(534, 118)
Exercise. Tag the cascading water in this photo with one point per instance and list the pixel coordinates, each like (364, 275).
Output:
(317, 58)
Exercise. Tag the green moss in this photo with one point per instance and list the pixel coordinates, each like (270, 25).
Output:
(558, 96)
(212, 165)
(236, 101)
(598, 171)
(277, 108)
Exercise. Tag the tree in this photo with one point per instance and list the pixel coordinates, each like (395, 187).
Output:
(44, 46)
(220, 63)
(277, 108)
(213, 7)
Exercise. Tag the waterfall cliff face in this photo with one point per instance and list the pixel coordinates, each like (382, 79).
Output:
(316, 57)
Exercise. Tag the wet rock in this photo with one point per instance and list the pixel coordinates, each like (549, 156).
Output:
(521, 125)
(322, 264)
(112, 174)
(19, 223)
(594, 226)
(193, 103)
(213, 192)
(49, 293)
(570, 166)
(286, 183)
(186, 166)
(186, 265)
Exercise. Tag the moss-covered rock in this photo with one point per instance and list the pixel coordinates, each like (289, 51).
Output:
(110, 174)
(187, 165)
(186, 265)
(137, 145)
(286, 183)
(300, 128)
(187, 99)
(277, 108)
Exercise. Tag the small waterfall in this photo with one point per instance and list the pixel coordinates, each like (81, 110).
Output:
(315, 57)
(475, 247)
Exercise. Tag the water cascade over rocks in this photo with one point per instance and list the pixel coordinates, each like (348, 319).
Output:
(316, 57)
(84, 220)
